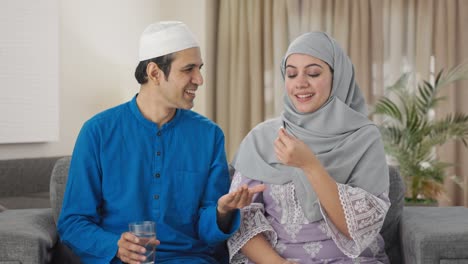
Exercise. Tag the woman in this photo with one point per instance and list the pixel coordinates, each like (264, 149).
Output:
(323, 164)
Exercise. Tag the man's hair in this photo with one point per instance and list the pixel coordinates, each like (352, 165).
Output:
(164, 63)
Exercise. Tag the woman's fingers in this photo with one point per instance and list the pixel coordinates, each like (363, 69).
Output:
(279, 145)
(280, 148)
(284, 146)
(284, 136)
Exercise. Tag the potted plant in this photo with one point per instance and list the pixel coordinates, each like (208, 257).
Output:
(411, 132)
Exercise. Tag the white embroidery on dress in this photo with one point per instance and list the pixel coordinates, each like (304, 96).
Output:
(239, 259)
(361, 206)
(364, 215)
(324, 228)
(292, 230)
(280, 247)
(292, 216)
(374, 248)
(312, 248)
(253, 222)
(280, 199)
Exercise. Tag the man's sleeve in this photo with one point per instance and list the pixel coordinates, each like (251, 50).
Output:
(79, 218)
(217, 186)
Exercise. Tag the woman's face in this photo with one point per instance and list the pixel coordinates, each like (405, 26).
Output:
(308, 82)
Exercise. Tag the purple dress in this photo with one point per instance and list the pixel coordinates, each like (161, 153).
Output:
(277, 214)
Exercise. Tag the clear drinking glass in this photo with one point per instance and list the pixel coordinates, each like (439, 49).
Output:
(146, 232)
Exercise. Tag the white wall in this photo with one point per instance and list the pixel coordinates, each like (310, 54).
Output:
(29, 61)
(98, 56)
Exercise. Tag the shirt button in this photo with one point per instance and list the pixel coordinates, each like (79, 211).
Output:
(156, 197)
(159, 133)
(158, 153)
(157, 175)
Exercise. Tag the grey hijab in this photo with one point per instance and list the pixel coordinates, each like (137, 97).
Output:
(345, 141)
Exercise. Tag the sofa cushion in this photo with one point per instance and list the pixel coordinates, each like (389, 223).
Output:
(27, 235)
(434, 234)
(33, 200)
(390, 228)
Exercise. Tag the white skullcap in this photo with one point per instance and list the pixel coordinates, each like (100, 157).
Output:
(165, 37)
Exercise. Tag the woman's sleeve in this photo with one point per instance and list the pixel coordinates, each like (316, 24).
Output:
(253, 222)
(365, 214)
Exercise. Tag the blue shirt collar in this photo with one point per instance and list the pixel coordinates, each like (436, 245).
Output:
(150, 124)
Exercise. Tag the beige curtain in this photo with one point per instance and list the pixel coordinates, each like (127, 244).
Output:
(251, 35)
(450, 35)
(211, 27)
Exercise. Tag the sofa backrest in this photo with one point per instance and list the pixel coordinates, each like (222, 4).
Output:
(25, 176)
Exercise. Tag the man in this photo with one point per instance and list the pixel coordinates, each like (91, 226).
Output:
(153, 159)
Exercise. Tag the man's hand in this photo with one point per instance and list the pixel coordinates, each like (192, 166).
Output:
(234, 200)
(130, 251)
(238, 199)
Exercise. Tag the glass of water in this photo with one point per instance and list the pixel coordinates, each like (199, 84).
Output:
(146, 233)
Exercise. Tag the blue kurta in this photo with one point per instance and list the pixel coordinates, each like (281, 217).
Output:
(124, 168)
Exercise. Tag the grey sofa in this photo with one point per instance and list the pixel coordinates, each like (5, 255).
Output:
(27, 225)
(413, 235)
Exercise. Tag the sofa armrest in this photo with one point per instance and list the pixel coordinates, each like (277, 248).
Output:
(58, 182)
(431, 235)
(27, 235)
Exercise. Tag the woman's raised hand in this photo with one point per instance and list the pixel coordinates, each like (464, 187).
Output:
(292, 151)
